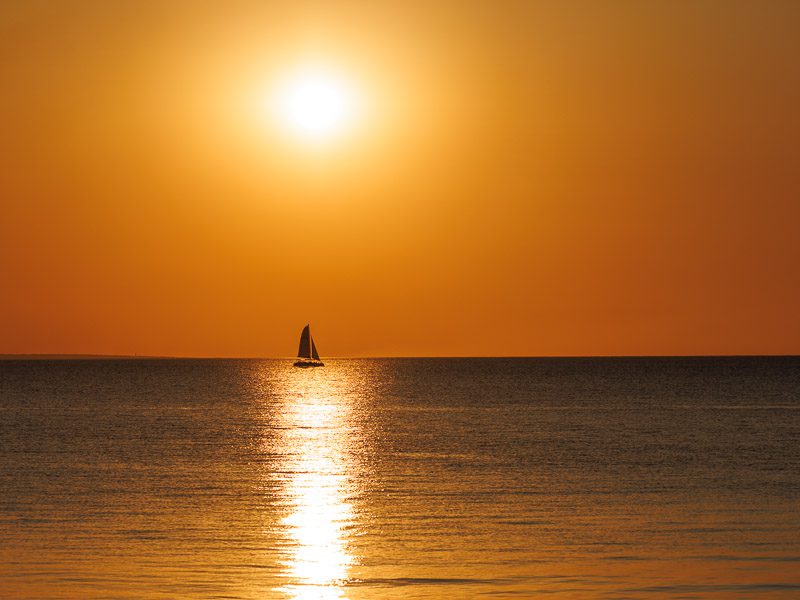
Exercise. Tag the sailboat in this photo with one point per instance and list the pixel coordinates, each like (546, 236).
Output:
(307, 355)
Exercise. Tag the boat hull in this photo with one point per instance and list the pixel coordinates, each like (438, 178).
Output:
(304, 364)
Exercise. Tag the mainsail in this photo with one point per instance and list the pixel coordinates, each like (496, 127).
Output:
(307, 353)
(305, 345)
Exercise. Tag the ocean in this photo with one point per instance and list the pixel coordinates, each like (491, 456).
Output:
(400, 478)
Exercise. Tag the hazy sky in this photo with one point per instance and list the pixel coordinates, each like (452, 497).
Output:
(523, 179)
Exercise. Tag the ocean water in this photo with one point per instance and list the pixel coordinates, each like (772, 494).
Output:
(400, 478)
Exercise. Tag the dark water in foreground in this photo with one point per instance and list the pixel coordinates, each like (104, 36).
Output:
(451, 478)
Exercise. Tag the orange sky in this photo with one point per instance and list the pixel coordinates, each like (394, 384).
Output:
(555, 178)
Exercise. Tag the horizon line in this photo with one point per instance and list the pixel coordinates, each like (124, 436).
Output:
(77, 356)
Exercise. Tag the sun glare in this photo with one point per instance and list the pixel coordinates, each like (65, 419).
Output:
(315, 105)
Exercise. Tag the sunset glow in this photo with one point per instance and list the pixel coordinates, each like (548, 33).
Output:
(314, 104)
(353, 300)
(416, 178)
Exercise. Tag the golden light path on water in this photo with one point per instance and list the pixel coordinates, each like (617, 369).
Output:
(314, 426)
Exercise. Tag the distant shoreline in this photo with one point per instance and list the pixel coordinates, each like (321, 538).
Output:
(81, 357)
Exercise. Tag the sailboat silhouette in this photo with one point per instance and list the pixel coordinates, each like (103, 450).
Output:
(307, 355)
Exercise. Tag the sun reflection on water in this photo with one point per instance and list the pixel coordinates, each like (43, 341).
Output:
(316, 483)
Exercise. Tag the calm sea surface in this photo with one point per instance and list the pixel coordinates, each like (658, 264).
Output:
(429, 478)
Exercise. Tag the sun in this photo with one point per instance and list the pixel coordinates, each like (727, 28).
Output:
(314, 104)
